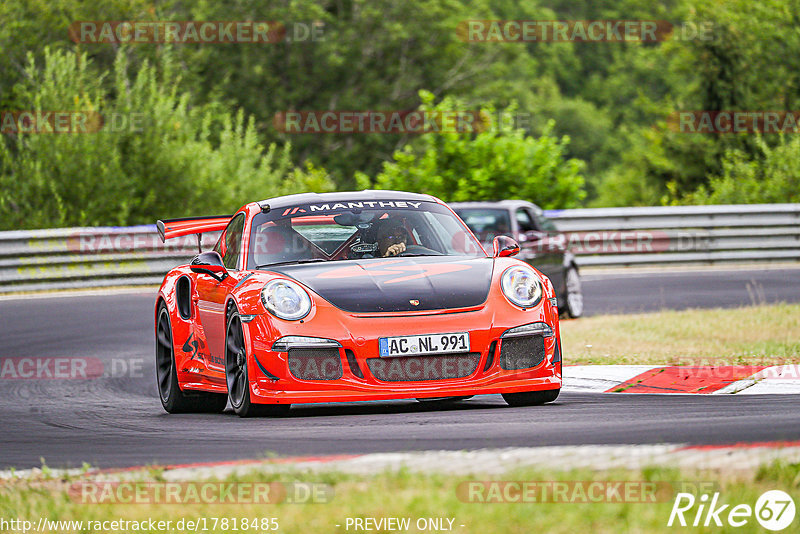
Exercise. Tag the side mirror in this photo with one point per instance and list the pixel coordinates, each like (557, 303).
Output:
(504, 246)
(209, 263)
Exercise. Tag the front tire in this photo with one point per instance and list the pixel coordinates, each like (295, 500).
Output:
(531, 398)
(172, 398)
(237, 377)
(574, 293)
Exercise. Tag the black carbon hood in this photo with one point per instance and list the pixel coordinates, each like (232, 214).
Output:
(397, 284)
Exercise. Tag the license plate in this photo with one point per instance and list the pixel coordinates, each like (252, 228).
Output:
(427, 344)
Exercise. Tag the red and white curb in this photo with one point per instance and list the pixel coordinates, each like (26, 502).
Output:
(742, 379)
(729, 458)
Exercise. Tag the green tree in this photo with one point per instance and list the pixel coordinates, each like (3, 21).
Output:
(749, 63)
(609, 99)
(772, 175)
(156, 156)
(492, 164)
(372, 55)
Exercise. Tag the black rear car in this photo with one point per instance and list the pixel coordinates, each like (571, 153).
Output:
(541, 244)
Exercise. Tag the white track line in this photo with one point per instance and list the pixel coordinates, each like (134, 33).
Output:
(778, 379)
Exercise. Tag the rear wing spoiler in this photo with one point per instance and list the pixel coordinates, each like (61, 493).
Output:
(169, 228)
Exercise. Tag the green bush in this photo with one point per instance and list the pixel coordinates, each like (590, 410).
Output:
(492, 164)
(773, 175)
(165, 157)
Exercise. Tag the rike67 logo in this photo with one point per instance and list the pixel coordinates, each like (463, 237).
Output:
(774, 510)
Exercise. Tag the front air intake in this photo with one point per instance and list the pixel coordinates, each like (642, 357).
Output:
(315, 364)
(521, 352)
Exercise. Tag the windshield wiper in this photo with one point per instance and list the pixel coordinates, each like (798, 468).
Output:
(305, 260)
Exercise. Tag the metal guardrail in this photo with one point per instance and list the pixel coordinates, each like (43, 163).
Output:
(68, 258)
(97, 257)
(700, 235)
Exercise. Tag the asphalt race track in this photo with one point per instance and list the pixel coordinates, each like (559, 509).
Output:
(679, 290)
(118, 420)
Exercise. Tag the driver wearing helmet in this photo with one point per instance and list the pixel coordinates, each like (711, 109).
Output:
(392, 238)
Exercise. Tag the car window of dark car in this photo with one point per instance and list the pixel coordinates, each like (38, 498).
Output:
(525, 221)
(230, 242)
(486, 223)
(545, 223)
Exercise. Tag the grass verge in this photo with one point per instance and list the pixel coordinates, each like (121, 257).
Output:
(753, 335)
(414, 496)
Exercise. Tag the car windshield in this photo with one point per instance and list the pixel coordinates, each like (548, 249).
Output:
(357, 230)
(486, 223)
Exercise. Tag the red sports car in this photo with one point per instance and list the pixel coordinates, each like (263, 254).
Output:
(351, 297)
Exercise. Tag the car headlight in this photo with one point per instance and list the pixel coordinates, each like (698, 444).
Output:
(521, 286)
(286, 300)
